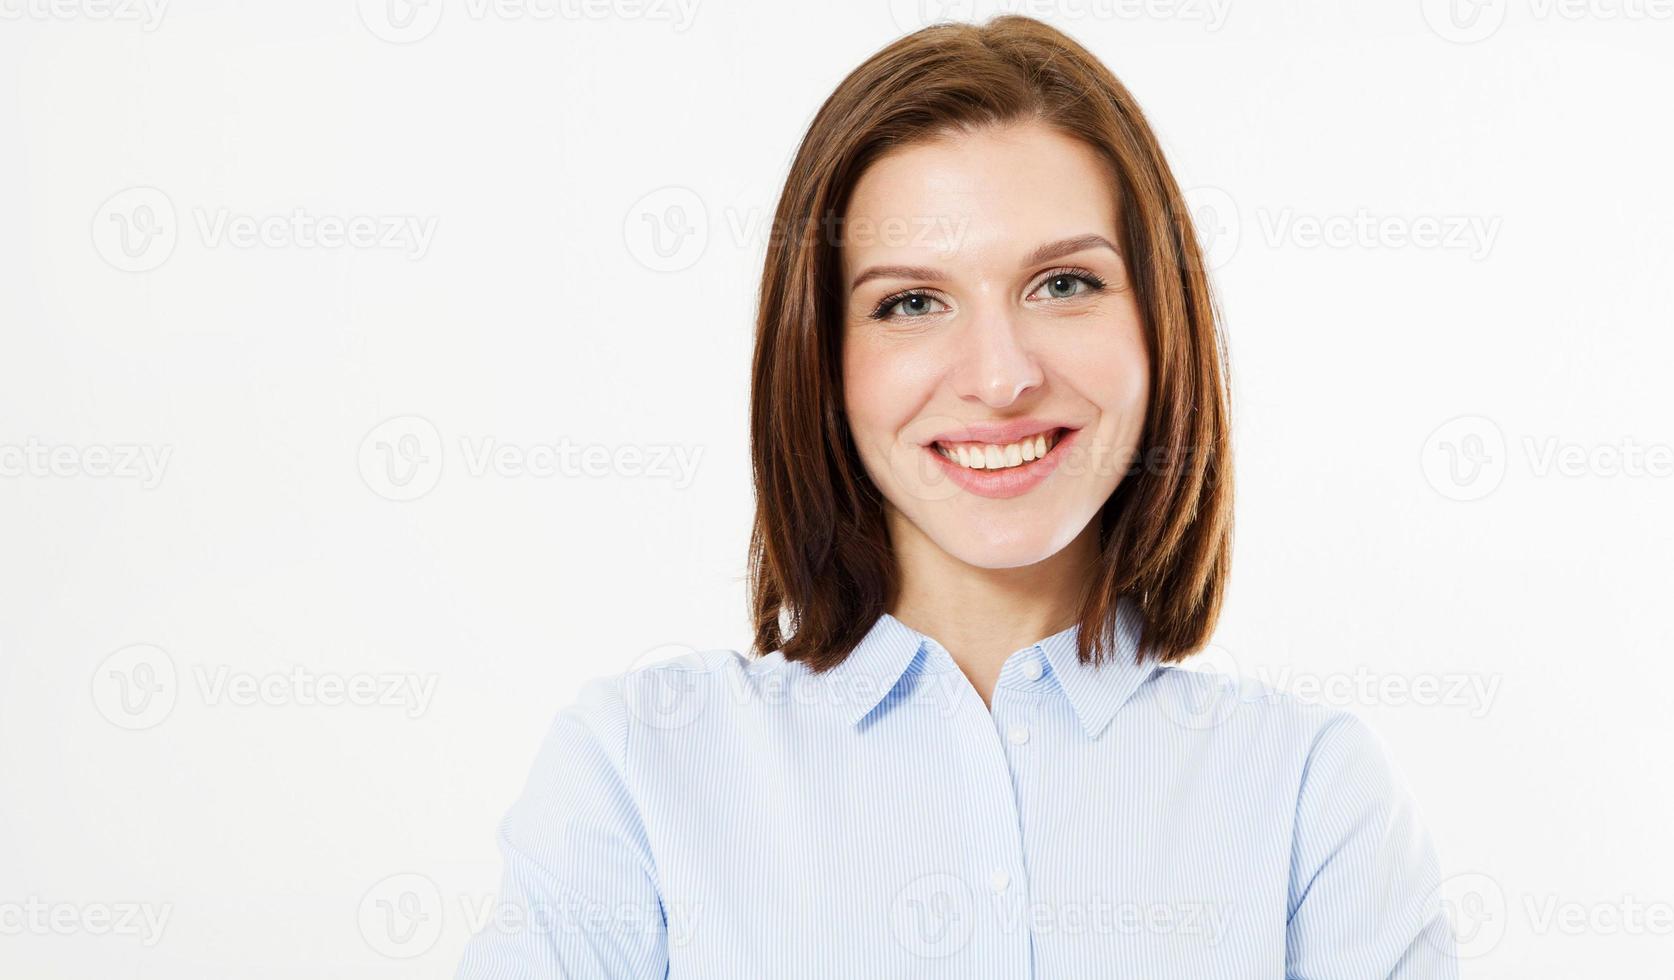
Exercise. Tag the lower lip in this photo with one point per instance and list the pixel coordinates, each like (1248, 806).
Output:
(1013, 481)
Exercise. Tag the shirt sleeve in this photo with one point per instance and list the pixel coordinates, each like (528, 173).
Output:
(578, 894)
(1364, 900)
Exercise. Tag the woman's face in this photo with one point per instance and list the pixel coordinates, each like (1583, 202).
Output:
(975, 327)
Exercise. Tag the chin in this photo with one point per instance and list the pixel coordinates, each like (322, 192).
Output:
(1009, 546)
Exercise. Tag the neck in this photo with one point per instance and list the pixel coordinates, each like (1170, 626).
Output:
(983, 615)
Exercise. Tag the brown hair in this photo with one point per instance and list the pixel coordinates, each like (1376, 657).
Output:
(820, 559)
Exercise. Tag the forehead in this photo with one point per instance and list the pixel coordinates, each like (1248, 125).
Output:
(996, 191)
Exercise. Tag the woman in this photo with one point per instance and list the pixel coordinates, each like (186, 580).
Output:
(990, 439)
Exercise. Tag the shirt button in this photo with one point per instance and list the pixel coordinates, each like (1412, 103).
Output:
(999, 881)
(1018, 734)
(1032, 670)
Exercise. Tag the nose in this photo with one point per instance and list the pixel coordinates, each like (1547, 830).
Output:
(994, 364)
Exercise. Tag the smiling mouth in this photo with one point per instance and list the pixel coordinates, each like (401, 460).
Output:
(990, 456)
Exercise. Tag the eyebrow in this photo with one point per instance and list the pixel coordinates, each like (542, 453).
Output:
(1045, 253)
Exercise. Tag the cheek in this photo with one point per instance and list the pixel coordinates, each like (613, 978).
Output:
(882, 391)
(868, 396)
(1109, 367)
(1126, 385)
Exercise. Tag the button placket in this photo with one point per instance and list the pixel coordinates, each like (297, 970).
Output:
(1016, 715)
(1016, 726)
(997, 865)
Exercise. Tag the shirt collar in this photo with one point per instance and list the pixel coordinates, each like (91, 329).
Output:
(876, 665)
(891, 649)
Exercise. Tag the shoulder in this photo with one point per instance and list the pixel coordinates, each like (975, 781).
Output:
(1213, 698)
(668, 693)
(1239, 710)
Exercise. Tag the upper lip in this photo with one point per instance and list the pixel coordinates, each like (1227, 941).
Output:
(998, 433)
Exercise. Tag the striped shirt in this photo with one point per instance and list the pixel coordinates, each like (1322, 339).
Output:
(720, 816)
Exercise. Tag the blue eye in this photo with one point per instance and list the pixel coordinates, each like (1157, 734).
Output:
(915, 303)
(1070, 283)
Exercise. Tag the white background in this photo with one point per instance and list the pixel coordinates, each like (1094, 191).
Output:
(1415, 217)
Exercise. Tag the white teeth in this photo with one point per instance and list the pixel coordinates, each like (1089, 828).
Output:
(989, 457)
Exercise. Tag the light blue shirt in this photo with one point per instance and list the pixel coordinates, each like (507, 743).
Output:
(727, 817)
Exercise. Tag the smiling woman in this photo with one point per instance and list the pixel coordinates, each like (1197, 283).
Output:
(994, 508)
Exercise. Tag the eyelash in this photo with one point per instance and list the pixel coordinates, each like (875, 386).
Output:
(1093, 281)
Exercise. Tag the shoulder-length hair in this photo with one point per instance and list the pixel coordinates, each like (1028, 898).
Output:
(821, 566)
